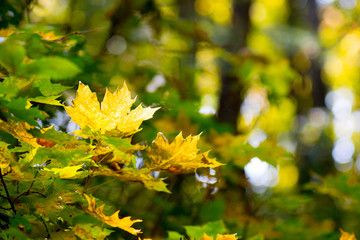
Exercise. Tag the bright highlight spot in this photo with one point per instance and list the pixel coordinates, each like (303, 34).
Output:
(254, 103)
(116, 45)
(261, 174)
(340, 102)
(207, 110)
(318, 117)
(257, 137)
(348, 4)
(156, 82)
(333, 66)
(205, 179)
(343, 151)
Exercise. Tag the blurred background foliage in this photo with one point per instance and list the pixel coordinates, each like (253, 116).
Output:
(273, 86)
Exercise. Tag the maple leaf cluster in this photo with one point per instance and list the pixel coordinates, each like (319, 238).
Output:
(112, 123)
(114, 117)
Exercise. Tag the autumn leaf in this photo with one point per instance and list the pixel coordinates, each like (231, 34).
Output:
(347, 236)
(20, 131)
(49, 36)
(206, 237)
(67, 172)
(6, 32)
(226, 237)
(113, 220)
(220, 237)
(135, 176)
(5, 155)
(45, 143)
(180, 156)
(113, 115)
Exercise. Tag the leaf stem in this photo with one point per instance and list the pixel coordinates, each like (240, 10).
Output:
(46, 228)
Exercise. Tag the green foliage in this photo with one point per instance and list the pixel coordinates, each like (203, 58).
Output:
(79, 161)
(210, 228)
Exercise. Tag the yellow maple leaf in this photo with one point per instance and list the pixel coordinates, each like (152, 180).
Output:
(5, 156)
(226, 237)
(65, 172)
(206, 237)
(113, 220)
(134, 176)
(6, 32)
(219, 237)
(113, 115)
(347, 236)
(49, 36)
(180, 156)
(19, 130)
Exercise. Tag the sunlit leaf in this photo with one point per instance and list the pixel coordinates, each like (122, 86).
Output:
(5, 32)
(219, 237)
(114, 115)
(5, 155)
(180, 156)
(68, 172)
(20, 131)
(49, 36)
(136, 176)
(347, 236)
(113, 220)
(49, 100)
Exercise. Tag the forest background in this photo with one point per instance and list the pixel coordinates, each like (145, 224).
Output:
(273, 86)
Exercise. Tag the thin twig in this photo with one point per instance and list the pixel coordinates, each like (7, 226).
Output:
(79, 33)
(29, 190)
(7, 193)
(28, 193)
(3, 196)
(47, 230)
(102, 184)
(41, 194)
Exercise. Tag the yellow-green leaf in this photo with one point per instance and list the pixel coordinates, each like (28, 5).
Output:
(135, 176)
(113, 220)
(90, 231)
(66, 172)
(5, 156)
(180, 156)
(50, 100)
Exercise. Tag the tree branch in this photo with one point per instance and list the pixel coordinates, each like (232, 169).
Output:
(7, 193)
(28, 192)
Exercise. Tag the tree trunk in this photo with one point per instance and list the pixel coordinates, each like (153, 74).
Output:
(230, 97)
